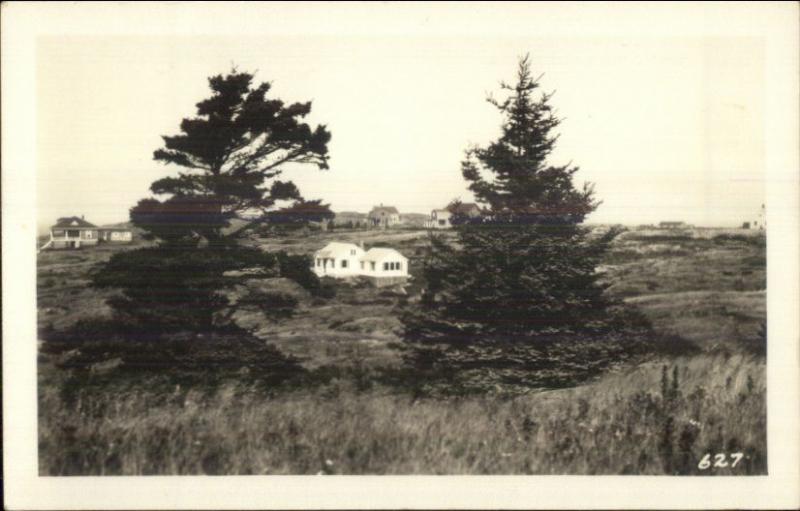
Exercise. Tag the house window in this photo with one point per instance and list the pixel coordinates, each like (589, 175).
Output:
(319, 263)
(362, 265)
(344, 263)
(385, 266)
(399, 267)
(58, 234)
(352, 251)
(88, 235)
(441, 222)
(372, 265)
(73, 234)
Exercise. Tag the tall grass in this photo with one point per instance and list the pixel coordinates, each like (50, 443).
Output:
(650, 420)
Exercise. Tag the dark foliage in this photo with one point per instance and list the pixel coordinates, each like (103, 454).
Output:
(172, 288)
(230, 153)
(300, 214)
(524, 188)
(180, 220)
(298, 268)
(519, 284)
(129, 351)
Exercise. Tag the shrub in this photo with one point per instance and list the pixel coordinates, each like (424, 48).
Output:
(182, 356)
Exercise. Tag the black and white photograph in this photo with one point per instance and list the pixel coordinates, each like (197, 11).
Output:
(389, 239)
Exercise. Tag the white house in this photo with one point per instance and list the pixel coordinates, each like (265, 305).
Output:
(440, 219)
(341, 260)
(384, 216)
(72, 232)
(76, 232)
(338, 260)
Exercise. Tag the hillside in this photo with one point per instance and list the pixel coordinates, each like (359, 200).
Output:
(357, 411)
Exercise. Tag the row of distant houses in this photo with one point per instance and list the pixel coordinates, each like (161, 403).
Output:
(388, 216)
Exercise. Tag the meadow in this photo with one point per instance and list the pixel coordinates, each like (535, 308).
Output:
(668, 413)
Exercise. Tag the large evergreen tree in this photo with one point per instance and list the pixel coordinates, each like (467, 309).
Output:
(523, 272)
(231, 154)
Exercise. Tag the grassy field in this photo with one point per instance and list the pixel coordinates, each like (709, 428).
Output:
(659, 416)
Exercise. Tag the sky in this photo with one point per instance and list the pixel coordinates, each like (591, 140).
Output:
(667, 128)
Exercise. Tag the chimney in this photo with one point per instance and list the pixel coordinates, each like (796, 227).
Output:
(82, 217)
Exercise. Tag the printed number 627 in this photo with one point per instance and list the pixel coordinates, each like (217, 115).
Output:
(720, 460)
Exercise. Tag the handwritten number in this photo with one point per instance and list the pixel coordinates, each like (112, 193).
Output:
(720, 460)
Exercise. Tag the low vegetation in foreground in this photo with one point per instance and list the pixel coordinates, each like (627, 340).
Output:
(347, 407)
(627, 423)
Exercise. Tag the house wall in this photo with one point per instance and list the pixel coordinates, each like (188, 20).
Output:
(119, 236)
(380, 272)
(336, 270)
(440, 219)
(387, 281)
(387, 220)
(62, 238)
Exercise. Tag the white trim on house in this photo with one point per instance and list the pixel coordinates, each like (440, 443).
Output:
(340, 260)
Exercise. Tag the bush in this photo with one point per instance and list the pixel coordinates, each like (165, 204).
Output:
(179, 357)
(167, 288)
(298, 268)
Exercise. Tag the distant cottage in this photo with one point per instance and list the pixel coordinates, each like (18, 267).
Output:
(440, 218)
(75, 232)
(384, 216)
(384, 266)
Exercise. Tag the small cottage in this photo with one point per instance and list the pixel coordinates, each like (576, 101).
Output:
(384, 216)
(441, 218)
(76, 232)
(72, 232)
(384, 266)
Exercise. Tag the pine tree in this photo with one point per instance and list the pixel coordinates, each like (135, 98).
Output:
(524, 271)
(231, 154)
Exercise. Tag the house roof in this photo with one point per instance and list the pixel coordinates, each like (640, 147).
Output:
(379, 254)
(73, 221)
(384, 209)
(463, 207)
(335, 248)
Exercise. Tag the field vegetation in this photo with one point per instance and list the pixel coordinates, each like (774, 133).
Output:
(348, 404)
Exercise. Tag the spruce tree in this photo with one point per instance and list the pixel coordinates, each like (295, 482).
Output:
(523, 273)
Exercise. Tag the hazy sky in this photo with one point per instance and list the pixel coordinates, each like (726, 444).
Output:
(666, 128)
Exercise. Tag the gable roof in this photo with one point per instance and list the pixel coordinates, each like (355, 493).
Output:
(384, 209)
(379, 254)
(73, 221)
(335, 248)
